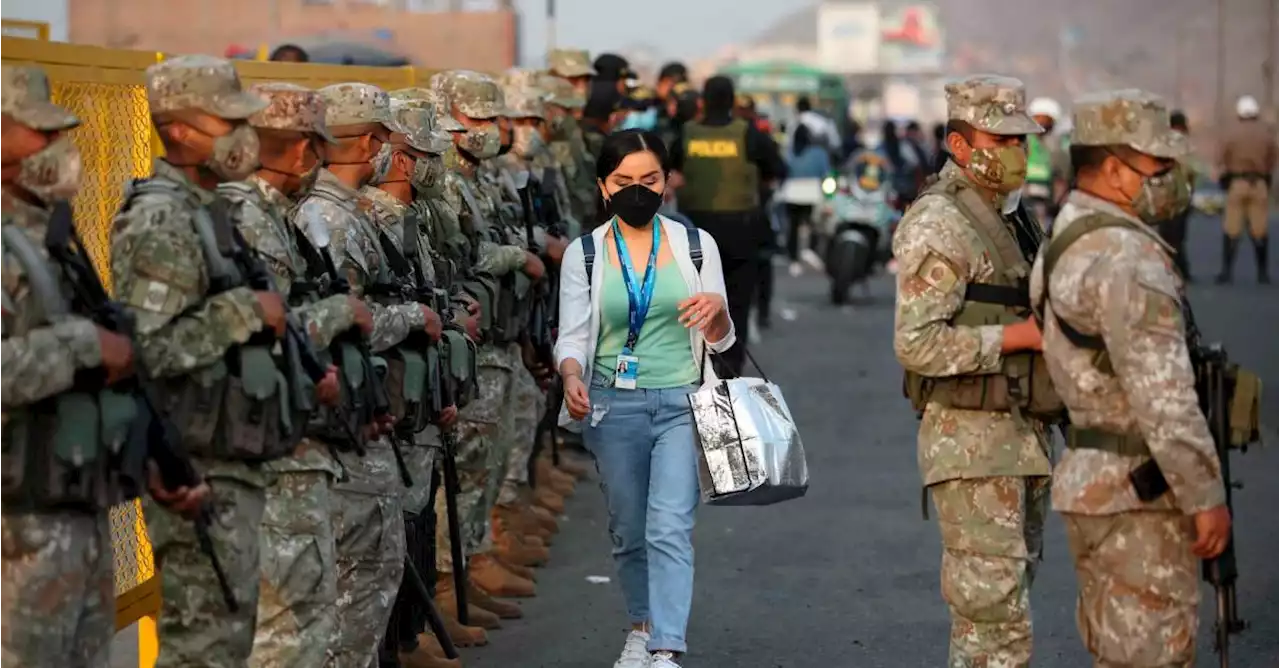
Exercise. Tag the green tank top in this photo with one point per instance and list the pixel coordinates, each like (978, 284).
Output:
(666, 358)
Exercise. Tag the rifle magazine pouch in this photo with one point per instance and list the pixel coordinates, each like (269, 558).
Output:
(75, 443)
(251, 424)
(391, 368)
(118, 412)
(194, 404)
(1246, 397)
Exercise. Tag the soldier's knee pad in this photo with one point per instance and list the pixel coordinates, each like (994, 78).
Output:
(984, 589)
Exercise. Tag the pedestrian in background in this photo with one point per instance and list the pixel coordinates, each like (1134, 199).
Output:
(805, 160)
(1248, 161)
(632, 347)
(1174, 230)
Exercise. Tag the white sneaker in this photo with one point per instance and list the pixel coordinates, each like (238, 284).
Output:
(635, 651)
(809, 257)
(664, 659)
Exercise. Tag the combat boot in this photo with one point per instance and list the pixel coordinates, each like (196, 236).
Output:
(516, 517)
(1260, 247)
(545, 518)
(525, 572)
(515, 549)
(503, 609)
(447, 603)
(1228, 259)
(463, 636)
(569, 464)
(489, 575)
(424, 658)
(559, 481)
(548, 499)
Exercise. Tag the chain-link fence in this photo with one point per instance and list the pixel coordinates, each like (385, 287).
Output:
(105, 89)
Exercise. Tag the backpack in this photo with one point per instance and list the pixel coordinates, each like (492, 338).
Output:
(695, 250)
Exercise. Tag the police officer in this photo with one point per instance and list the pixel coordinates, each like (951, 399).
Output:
(57, 574)
(1116, 347)
(1247, 162)
(191, 312)
(1043, 162)
(721, 163)
(368, 521)
(963, 335)
(297, 611)
(473, 101)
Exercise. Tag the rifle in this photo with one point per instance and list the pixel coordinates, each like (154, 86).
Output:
(542, 316)
(153, 437)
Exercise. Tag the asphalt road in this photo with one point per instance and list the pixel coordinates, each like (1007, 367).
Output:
(848, 576)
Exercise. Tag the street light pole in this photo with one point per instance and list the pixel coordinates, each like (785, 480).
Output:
(551, 25)
(1221, 115)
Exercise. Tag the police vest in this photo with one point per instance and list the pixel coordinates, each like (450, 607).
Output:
(60, 452)
(1039, 160)
(241, 407)
(1022, 386)
(719, 176)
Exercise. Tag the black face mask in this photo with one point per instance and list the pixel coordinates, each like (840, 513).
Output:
(635, 205)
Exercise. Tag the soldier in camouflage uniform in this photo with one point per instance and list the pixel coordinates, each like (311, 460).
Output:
(1116, 347)
(564, 105)
(986, 463)
(297, 607)
(475, 102)
(574, 66)
(57, 575)
(368, 520)
(184, 332)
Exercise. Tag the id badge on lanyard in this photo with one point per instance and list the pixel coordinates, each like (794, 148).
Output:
(639, 295)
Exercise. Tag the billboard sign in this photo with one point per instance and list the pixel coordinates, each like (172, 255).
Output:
(910, 39)
(849, 37)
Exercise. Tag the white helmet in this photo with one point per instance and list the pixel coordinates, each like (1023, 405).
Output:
(1247, 107)
(1045, 106)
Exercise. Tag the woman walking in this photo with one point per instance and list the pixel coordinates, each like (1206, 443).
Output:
(636, 323)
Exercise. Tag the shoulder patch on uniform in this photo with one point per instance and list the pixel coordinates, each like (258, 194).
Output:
(937, 271)
(1160, 312)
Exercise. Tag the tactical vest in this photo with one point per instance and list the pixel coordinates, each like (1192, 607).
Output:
(1039, 161)
(457, 353)
(1022, 386)
(496, 295)
(62, 452)
(239, 408)
(719, 176)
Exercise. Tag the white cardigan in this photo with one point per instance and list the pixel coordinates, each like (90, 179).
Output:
(580, 317)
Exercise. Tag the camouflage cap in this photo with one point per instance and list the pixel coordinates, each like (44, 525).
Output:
(290, 107)
(992, 104)
(416, 120)
(476, 95)
(561, 93)
(524, 96)
(26, 98)
(570, 63)
(444, 116)
(355, 104)
(200, 82)
(1133, 118)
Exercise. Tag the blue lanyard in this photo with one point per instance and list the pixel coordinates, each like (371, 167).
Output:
(639, 293)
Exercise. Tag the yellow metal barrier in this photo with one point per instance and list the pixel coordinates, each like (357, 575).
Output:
(29, 29)
(105, 89)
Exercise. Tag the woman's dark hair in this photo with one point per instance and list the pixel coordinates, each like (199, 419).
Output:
(616, 148)
(804, 105)
(290, 52)
(940, 133)
(802, 140)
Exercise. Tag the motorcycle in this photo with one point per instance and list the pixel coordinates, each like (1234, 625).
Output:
(856, 221)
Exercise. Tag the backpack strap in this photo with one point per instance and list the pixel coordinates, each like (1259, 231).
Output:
(695, 249)
(1058, 244)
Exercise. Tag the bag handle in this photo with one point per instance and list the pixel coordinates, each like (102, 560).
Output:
(706, 350)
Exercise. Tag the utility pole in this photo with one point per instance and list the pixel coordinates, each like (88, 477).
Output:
(551, 25)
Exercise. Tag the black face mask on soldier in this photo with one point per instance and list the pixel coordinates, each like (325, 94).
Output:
(635, 205)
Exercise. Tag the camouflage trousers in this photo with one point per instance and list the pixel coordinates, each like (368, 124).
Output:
(527, 406)
(57, 584)
(1139, 587)
(369, 527)
(195, 627)
(298, 598)
(478, 462)
(992, 536)
(420, 460)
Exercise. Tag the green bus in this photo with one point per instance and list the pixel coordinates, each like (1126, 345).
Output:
(776, 86)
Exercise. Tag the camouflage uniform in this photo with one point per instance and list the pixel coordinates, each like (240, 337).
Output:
(524, 99)
(988, 471)
(367, 518)
(1138, 579)
(160, 275)
(297, 605)
(569, 147)
(481, 454)
(57, 576)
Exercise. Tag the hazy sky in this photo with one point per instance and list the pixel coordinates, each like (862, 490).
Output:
(674, 28)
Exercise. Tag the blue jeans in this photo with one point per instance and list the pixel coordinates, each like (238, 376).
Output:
(643, 444)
